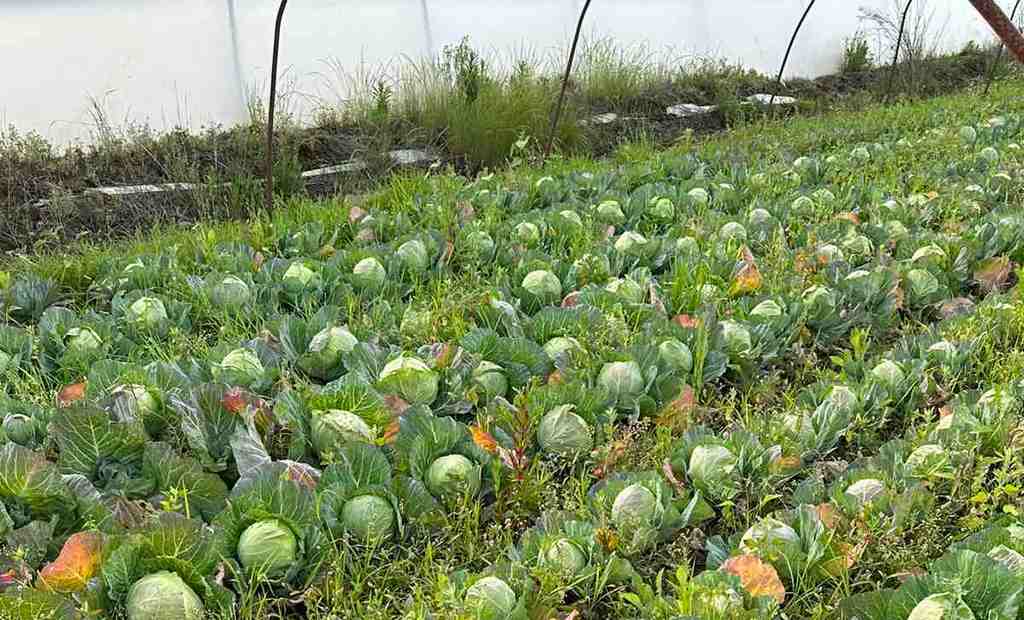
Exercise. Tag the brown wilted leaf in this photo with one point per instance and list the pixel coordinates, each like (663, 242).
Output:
(356, 215)
(556, 378)
(828, 514)
(757, 577)
(78, 562)
(484, 440)
(449, 251)
(849, 216)
(571, 299)
(785, 465)
(395, 404)
(670, 475)
(327, 251)
(71, 394)
(994, 274)
(678, 414)
(899, 296)
(608, 539)
(444, 354)
(687, 321)
(958, 306)
(608, 457)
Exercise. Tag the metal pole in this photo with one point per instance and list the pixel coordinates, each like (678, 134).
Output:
(426, 28)
(565, 82)
(1003, 27)
(999, 54)
(899, 44)
(789, 49)
(268, 197)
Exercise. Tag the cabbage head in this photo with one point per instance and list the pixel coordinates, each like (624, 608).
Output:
(661, 209)
(626, 289)
(491, 378)
(766, 310)
(268, 547)
(369, 518)
(19, 429)
(675, 355)
(565, 557)
(82, 341)
(453, 476)
(543, 285)
(369, 274)
(563, 432)
(737, 338)
(335, 427)
(888, 373)
(865, 491)
(139, 399)
(635, 506)
(490, 598)
(732, 231)
(528, 233)
(624, 381)
(699, 196)
(480, 244)
(163, 596)
(610, 212)
(631, 243)
(561, 345)
(298, 277)
(239, 367)
(770, 539)
(413, 257)
(231, 292)
(711, 467)
(410, 378)
(148, 314)
(323, 356)
(943, 606)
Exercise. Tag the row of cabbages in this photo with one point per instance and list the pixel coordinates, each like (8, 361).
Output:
(613, 296)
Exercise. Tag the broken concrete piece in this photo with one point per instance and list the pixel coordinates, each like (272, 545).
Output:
(764, 99)
(682, 110)
(410, 157)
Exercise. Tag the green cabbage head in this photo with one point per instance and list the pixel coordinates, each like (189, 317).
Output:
(624, 381)
(163, 596)
(335, 427)
(543, 285)
(268, 547)
(490, 598)
(565, 557)
(239, 367)
(19, 429)
(944, 606)
(410, 378)
(325, 351)
(413, 256)
(82, 341)
(231, 292)
(563, 432)
(675, 355)
(149, 315)
(369, 518)
(634, 506)
(453, 476)
(369, 274)
(491, 378)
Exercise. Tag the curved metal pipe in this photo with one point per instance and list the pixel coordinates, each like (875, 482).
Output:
(1003, 27)
(789, 49)
(896, 54)
(565, 82)
(268, 190)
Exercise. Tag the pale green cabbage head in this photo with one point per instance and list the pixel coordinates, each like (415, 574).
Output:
(267, 547)
(410, 378)
(163, 596)
(453, 476)
(563, 432)
(369, 518)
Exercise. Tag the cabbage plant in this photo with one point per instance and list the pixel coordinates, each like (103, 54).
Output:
(410, 378)
(438, 465)
(356, 497)
(568, 548)
(565, 433)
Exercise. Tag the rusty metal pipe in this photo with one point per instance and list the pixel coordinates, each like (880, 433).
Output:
(565, 82)
(1002, 26)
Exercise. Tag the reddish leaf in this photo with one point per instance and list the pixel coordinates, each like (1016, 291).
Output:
(444, 354)
(828, 514)
(757, 577)
(556, 378)
(571, 299)
(687, 321)
(257, 261)
(670, 475)
(234, 401)
(304, 475)
(994, 274)
(849, 216)
(78, 562)
(483, 439)
(71, 394)
(466, 212)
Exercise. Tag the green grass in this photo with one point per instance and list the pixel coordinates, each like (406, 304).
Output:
(408, 580)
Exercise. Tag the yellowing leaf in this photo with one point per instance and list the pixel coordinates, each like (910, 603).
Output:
(71, 394)
(483, 439)
(748, 277)
(757, 577)
(77, 563)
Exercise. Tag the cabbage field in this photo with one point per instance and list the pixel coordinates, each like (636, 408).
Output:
(776, 374)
